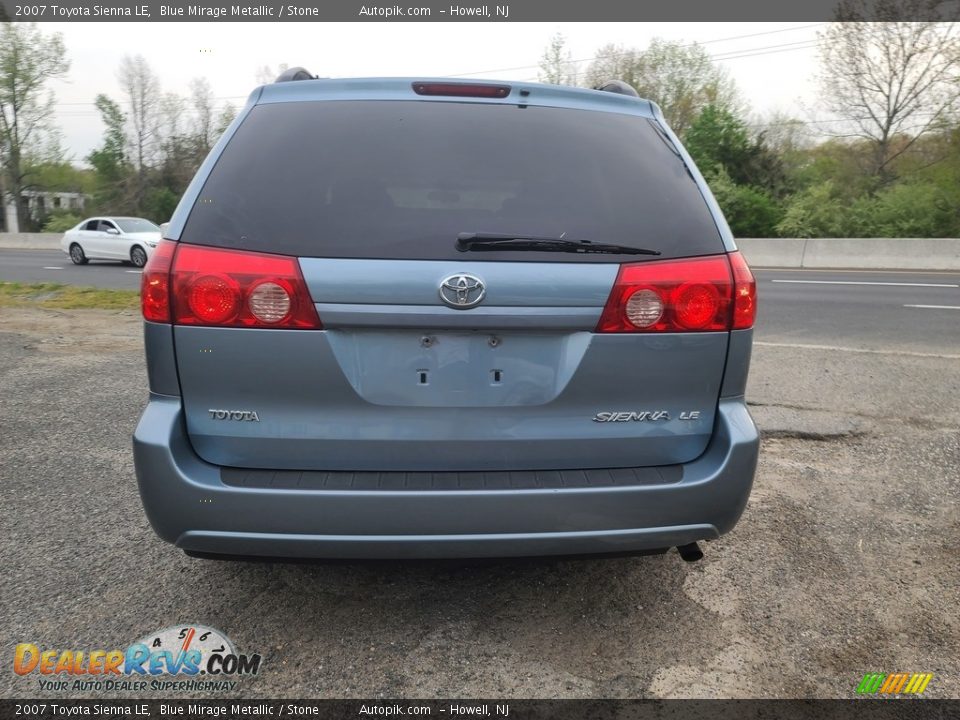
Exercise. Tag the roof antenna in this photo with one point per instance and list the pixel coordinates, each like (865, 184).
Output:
(294, 73)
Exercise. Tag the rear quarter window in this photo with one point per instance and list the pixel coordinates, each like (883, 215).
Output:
(401, 179)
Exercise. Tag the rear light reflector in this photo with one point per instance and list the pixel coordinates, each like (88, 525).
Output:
(701, 294)
(483, 90)
(194, 285)
(155, 283)
(744, 293)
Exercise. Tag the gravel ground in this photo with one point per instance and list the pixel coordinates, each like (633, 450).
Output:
(845, 561)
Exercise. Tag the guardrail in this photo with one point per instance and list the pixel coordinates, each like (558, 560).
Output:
(798, 253)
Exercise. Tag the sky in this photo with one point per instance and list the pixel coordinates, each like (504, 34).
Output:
(774, 64)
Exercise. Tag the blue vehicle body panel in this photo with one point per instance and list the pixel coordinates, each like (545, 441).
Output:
(360, 426)
(188, 504)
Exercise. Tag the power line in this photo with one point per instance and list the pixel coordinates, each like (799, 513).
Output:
(127, 102)
(750, 52)
(687, 45)
(746, 52)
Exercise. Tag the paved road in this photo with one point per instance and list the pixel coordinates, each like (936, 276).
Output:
(54, 266)
(868, 309)
(918, 312)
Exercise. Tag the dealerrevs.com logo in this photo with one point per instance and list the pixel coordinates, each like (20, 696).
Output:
(182, 658)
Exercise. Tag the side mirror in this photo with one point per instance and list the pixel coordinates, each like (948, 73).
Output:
(113, 231)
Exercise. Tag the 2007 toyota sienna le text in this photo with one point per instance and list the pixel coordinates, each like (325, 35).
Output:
(398, 318)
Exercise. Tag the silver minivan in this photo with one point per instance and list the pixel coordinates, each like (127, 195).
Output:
(408, 318)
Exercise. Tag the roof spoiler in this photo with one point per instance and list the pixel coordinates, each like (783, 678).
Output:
(294, 73)
(619, 87)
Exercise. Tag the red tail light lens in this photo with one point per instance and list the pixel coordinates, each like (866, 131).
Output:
(213, 299)
(482, 90)
(155, 283)
(687, 295)
(744, 293)
(231, 288)
(194, 285)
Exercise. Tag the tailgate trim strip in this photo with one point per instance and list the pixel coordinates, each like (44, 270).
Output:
(473, 480)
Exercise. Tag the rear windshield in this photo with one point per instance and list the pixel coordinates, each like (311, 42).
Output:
(400, 180)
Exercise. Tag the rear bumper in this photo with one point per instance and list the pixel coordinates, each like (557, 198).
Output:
(188, 505)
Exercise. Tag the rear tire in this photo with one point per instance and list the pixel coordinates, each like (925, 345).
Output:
(138, 256)
(77, 255)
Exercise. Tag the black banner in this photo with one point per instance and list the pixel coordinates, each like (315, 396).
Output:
(473, 10)
(854, 709)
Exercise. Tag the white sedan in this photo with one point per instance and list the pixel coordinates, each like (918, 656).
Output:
(128, 239)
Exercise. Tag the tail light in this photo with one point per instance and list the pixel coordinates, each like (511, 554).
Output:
(194, 285)
(703, 294)
(155, 283)
(744, 293)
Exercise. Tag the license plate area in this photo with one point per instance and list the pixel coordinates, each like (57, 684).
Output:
(456, 369)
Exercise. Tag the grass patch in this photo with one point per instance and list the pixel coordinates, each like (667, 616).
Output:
(55, 296)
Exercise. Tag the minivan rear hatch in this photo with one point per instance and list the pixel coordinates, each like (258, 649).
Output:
(431, 358)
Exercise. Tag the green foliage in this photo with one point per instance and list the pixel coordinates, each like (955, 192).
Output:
(719, 139)
(160, 204)
(61, 222)
(907, 209)
(913, 209)
(750, 212)
(815, 212)
(62, 177)
(109, 161)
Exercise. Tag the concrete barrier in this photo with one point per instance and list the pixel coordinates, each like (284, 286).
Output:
(795, 253)
(773, 252)
(853, 253)
(883, 254)
(30, 241)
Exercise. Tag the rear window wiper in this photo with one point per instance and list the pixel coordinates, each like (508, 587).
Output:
(496, 241)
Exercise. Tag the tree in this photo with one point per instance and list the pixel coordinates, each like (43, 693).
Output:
(110, 160)
(203, 130)
(142, 90)
(224, 119)
(681, 79)
(891, 81)
(718, 138)
(28, 59)
(556, 64)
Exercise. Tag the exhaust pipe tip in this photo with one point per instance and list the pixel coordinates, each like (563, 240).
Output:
(690, 552)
